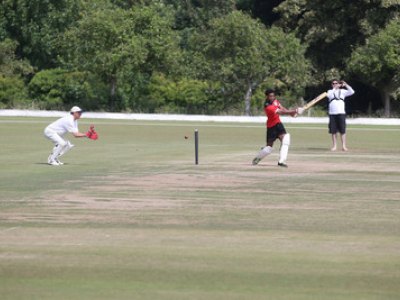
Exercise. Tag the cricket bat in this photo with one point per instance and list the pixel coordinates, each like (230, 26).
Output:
(315, 100)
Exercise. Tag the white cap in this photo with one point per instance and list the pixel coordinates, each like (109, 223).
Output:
(75, 109)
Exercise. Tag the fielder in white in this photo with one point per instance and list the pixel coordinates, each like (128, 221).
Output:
(55, 132)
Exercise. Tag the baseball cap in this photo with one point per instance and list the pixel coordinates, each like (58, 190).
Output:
(76, 109)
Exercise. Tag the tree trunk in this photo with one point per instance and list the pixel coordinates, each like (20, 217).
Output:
(247, 100)
(113, 89)
(385, 95)
(370, 108)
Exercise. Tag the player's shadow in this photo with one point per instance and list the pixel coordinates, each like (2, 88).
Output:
(65, 164)
(45, 164)
(317, 149)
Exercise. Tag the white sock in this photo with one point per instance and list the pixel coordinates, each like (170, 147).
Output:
(56, 152)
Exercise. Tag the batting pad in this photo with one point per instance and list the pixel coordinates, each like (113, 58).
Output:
(284, 148)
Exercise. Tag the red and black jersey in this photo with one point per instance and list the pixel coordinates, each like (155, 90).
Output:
(271, 113)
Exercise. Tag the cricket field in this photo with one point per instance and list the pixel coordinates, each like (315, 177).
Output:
(130, 216)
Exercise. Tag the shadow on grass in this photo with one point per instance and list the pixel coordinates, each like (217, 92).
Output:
(322, 149)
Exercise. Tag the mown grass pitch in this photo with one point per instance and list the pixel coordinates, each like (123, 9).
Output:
(131, 217)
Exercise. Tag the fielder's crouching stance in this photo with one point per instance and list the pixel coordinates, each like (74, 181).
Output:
(275, 129)
(55, 132)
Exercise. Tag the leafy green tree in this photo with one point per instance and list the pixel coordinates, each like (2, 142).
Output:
(3, 22)
(378, 62)
(13, 92)
(242, 54)
(188, 96)
(127, 4)
(61, 89)
(124, 47)
(10, 65)
(260, 9)
(103, 42)
(331, 29)
(197, 13)
(154, 24)
(36, 25)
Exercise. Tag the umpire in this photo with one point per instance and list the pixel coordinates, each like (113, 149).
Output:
(337, 113)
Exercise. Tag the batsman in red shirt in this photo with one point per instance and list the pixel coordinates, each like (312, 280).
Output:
(275, 129)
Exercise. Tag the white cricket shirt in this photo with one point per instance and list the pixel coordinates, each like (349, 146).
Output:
(64, 125)
(336, 100)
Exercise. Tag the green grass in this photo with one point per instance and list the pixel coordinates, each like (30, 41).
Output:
(131, 217)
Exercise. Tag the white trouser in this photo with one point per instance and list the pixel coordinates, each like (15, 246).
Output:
(61, 146)
(55, 137)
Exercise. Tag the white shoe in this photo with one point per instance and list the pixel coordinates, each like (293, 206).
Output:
(49, 158)
(53, 163)
(58, 161)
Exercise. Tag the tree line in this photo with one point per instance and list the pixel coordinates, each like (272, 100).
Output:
(196, 56)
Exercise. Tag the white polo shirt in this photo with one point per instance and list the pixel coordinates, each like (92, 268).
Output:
(64, 125)
(336, 100)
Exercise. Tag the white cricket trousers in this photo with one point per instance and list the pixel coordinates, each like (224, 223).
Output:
(61, 145)
(55, 138)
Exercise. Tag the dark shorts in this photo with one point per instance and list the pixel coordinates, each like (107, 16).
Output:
(337, 123)
(274, 132)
